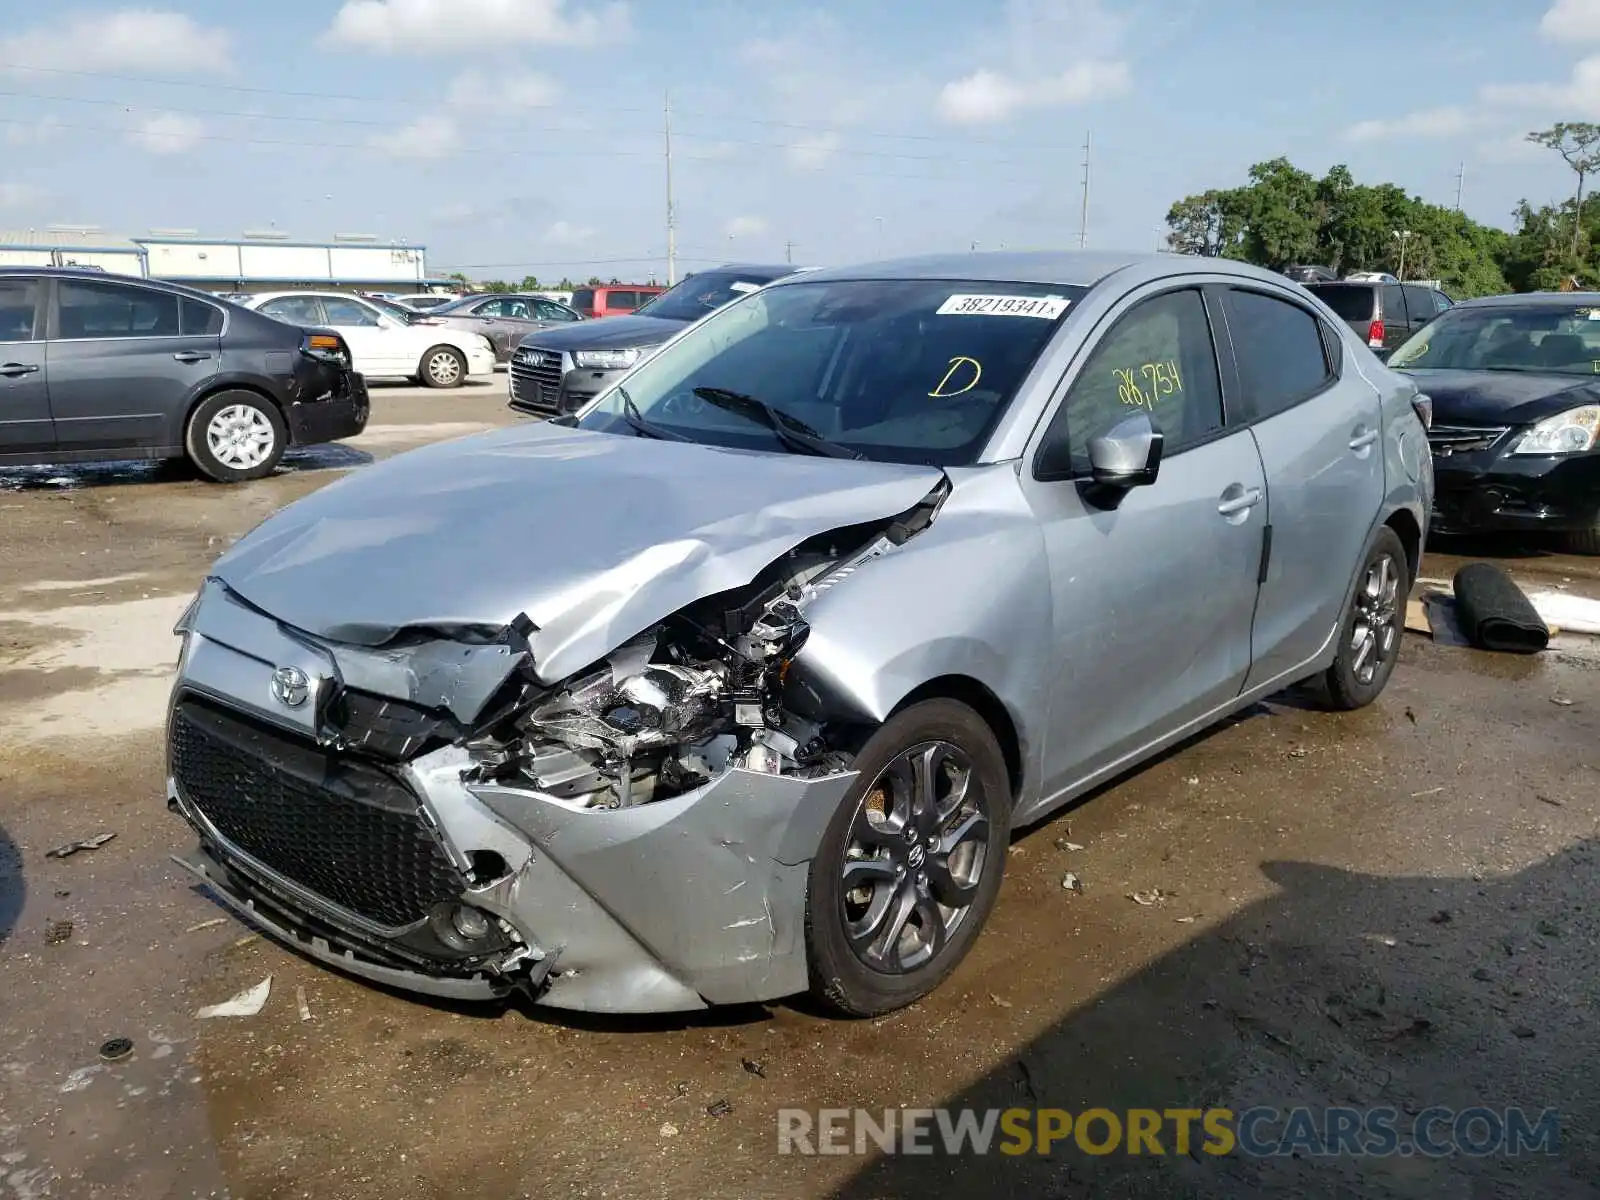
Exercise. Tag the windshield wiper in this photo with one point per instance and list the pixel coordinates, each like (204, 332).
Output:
(642, 425)
(794, 433)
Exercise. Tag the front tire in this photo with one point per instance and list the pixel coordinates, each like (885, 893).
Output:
(443, 367)
(1372, 626)
(235, 436)
(910, 866)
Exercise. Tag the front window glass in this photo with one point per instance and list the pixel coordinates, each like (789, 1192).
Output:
(702, 293)
(912, 371)
(1550, 339)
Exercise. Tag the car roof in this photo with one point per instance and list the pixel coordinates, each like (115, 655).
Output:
(1068, 268)
(109, 277)
(1534, 300)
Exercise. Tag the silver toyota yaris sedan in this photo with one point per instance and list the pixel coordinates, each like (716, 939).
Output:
(735, 684)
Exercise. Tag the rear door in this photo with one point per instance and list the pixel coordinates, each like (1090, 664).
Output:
(383, 344)
(1420, 306)
(1396, 322)
(122, 370)
(25, 423)
(1317, 425)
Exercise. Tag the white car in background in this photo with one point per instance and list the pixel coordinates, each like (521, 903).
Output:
(385, 340)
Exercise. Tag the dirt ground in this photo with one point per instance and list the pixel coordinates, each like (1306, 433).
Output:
(1395, 907)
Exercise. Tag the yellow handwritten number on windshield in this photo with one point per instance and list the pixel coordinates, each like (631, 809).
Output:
(961, 367)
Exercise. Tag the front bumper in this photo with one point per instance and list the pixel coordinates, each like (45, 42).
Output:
(668, 906)
(481, 362)
(552, 390)
(1488, 491)
(315, 421)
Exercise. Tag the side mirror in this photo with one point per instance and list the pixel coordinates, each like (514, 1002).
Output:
(1129, 456)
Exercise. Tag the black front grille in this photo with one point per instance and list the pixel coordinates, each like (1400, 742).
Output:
(389, 729)
(345, 830)
(1463, 439)
(537, 386)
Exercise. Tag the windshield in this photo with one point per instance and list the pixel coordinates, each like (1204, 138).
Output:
(1549, 339)
(1351, 302)
(701, 293)
(914, 371)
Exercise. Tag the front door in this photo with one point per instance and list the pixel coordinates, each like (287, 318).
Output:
(122, 369)
(379, 344)
(1319, 427)
(1153, 598)
(25, 424)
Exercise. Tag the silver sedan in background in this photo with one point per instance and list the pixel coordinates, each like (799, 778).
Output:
(505, 319)
(848, 581)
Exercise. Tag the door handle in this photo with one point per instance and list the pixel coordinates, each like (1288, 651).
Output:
(191, 356)
(1363, 438)
(1248, 498)
(12, 370)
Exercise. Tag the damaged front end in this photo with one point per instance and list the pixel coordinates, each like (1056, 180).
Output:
(432, 814)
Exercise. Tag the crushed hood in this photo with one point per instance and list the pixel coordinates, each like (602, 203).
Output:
(592, 536)
(1502, 397)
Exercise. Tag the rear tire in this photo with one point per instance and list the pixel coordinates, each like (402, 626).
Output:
(1585, 541)
(1371, 628)
(235, 436)
(922, 836)
(443, 367)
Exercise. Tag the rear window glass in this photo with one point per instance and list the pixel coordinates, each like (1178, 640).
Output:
(201, 319)
(1348, 301)
(622, 300)
(583, 299)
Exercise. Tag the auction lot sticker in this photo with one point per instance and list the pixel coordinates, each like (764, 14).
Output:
(1047, 307)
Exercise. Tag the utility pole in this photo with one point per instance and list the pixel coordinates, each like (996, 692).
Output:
(1405, 236)
(1083, 213)
(879, 253)
(788, 252)
(1461, 183)
(672, 213)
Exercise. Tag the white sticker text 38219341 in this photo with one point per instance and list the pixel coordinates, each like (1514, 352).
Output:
(1046, 307)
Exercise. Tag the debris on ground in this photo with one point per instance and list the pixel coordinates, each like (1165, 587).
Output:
(1429, 792)
(1410, 715)
(57, 932)
(669, 1130)
(752, 1067)
(1070, 847)
(116, 1049)
(1495, 614)
(1551, 801)
(1299, 752)
(1442, 917)
(247, 1003)
(998, 1002)
(301, 1004)
(1070, 882)
(680, 1089)
(246, 940)
(1186, 920)
(211, 924)
(1524, 1031)
(1574, 614)
(719, 1108)
(1416, 1027)
(1148, 899)
(1562, 701)
(71, 848)
(1483, 975)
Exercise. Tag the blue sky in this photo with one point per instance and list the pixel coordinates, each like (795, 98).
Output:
(512, 136)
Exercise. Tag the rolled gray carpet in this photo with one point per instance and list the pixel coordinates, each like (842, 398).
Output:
(1494, 614)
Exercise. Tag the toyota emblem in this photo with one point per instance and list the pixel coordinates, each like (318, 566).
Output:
(291, 687)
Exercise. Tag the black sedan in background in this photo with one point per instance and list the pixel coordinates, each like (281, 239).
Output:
(96, 367)
(561, 370)
(1515, 384)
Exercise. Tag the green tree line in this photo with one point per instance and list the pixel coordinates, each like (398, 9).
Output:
(530, 283)
(1285, 216)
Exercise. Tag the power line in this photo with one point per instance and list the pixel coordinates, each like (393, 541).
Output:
(393, 101)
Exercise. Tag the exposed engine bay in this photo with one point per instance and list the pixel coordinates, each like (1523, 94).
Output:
(687, 699)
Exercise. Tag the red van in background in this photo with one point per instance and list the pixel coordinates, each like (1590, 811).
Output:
(614, 301)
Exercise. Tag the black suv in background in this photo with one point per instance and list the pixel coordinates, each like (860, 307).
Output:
(1383, 314)
(96, 367)
(560, 370)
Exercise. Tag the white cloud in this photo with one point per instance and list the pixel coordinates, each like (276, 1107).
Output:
(431, 136)
(745, 227)
(453, 26)
(1578, 99)
(168, 133)
(480, 92)
(812, 152)
(1510, 149)
(1047, 55)
(1434, 122)
(1572, 21)
(18, 196)
(565, 233)
(34, 133)
(986, 96)
(130, 39)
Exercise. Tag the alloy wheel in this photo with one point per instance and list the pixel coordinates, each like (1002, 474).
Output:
(444, 368)
(917, 848)
(240, 436)
(1374, 637)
